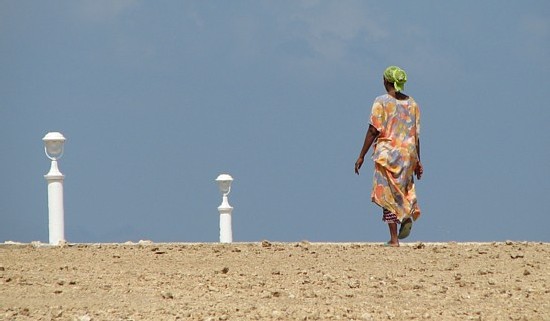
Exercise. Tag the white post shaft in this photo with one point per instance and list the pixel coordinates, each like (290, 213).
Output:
(226, 232)
(56, 212)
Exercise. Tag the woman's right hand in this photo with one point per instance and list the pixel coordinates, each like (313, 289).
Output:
(419, 170)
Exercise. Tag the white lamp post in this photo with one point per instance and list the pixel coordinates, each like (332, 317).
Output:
(226, 233)
(53, 146)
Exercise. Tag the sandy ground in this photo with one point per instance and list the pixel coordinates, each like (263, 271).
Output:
(275, 281)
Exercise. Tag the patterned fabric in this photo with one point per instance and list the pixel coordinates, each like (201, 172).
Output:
(389, 217)
(395, 155)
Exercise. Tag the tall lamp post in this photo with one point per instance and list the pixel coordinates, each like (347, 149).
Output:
(226, 234)
(53, 146)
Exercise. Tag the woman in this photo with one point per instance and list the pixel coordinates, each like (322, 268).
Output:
(394, 128)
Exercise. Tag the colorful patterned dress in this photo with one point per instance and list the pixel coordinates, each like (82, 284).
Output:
(395, 155)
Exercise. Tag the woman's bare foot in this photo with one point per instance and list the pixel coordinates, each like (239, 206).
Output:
(394, 241)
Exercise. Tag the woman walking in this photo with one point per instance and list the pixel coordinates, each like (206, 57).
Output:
(394, 129)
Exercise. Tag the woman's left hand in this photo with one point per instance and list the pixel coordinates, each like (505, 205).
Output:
(358, 165)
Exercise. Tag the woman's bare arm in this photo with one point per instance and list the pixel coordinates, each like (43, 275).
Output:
(370, 136)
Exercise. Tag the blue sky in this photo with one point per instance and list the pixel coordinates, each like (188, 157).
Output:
(157, 98)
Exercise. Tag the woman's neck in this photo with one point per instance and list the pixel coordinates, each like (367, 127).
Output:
(397, 94)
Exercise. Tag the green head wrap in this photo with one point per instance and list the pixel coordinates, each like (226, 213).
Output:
(397, 76)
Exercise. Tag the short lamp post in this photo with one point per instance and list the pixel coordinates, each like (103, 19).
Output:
(53, 146)
(226, 234)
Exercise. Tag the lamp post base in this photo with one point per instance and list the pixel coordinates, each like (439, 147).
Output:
(56, 211)
(226, 232)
